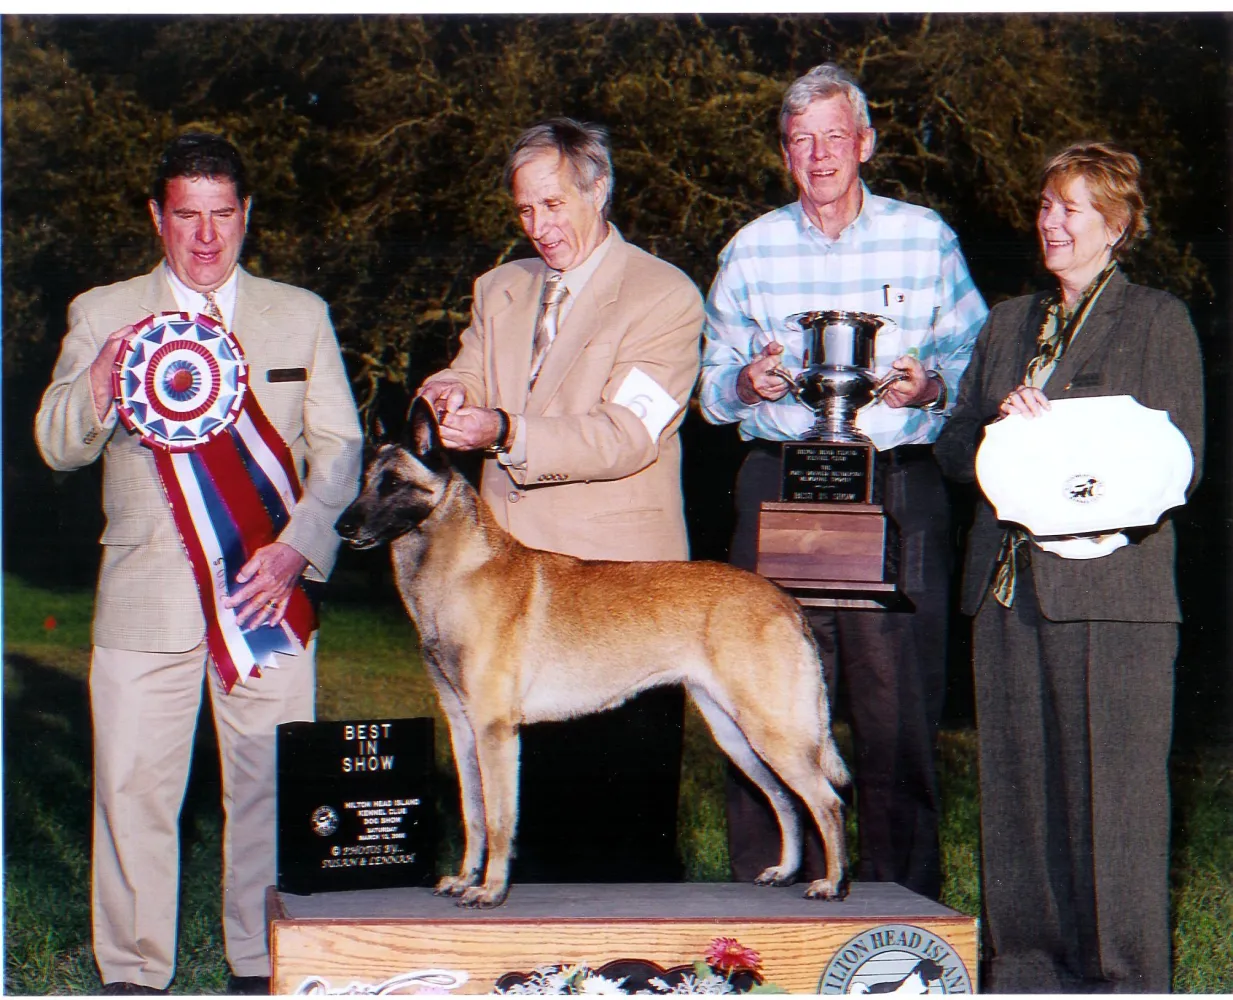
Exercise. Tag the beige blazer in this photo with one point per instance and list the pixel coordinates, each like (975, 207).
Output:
(147, 599)
(596, 484)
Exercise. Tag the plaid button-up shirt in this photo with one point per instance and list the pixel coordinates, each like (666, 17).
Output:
(897, 260)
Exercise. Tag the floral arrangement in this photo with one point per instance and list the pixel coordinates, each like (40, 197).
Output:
(726, 967)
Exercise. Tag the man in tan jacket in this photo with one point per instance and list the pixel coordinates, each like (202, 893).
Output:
(149, 633)
(574, 376)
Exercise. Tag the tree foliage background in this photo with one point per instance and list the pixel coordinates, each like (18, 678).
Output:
(377, 145)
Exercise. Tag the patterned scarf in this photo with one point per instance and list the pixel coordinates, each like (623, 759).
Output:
(1057, 330)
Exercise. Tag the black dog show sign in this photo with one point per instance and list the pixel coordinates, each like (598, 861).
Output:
(355, 809)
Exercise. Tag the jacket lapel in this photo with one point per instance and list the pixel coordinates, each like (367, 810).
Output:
(155, 295)
(514, 315)
(584, 322)
(1025, 342)
(252, 325)
(1101, 324)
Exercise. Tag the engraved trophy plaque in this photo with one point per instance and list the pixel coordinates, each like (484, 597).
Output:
(829, 541)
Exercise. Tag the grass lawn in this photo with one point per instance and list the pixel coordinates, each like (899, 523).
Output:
(368, 668)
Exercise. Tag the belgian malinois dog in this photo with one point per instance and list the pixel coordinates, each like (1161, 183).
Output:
(513, 635)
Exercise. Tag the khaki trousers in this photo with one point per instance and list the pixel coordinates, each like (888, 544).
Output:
(144, 708)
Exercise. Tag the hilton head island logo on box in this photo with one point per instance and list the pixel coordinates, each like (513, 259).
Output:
(895, 958)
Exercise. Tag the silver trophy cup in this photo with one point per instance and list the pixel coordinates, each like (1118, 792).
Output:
(838, 377)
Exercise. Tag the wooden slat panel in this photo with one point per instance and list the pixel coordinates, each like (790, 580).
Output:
(794, 952)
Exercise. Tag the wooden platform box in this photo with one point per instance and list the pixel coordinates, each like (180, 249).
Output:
(649, 937)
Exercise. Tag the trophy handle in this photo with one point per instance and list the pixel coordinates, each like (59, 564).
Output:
(879, 390)
(789, 380)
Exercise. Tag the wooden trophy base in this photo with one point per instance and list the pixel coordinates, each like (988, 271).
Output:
(408, 940)
(832, 555)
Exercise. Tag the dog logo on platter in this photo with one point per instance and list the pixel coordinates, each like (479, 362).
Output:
(895, 958)
(324, 821)
(1084, 489)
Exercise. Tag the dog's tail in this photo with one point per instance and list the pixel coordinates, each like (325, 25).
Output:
(832, 764)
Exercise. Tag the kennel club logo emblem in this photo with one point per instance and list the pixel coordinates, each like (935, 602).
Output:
(324, 821)
(896, 958)
(1084, 489)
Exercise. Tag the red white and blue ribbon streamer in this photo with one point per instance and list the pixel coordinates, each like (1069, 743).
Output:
(182, 385)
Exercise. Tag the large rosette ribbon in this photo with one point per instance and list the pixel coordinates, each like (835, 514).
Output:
(182, 385)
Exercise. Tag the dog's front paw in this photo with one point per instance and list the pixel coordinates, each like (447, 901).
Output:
(824, 888)
(481, 897)
(776, 875)
(456, 885)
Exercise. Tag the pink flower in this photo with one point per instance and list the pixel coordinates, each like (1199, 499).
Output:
(727, 955)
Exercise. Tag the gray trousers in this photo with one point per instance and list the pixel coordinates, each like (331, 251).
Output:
(1075, 721)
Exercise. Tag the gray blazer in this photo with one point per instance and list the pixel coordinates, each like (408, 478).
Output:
(1136, 341)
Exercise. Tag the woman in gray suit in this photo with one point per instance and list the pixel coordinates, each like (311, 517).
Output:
(1074, 657)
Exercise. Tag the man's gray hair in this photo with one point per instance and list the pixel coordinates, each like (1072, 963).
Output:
(584, 146)
(818, 84)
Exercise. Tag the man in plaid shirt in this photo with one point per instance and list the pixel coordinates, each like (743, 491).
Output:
(841, 247)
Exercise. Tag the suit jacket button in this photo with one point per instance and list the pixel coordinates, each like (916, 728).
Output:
(513, 496)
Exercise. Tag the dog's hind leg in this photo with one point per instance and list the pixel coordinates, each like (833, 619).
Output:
(826, 807)
(462, 739)
(497, 746)
(734, 743)
(803, 755)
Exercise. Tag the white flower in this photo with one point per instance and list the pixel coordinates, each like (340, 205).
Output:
(692, 984)
(599, 984)
(546, 979)
(555, 982)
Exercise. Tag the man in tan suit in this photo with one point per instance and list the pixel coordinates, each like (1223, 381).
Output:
(150, 658)
(574, 376)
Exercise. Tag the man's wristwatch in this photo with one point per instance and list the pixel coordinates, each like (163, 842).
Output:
(939, 404)
(502, 443)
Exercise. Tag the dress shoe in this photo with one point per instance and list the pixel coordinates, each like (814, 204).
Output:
(248, 986)
(131, 990)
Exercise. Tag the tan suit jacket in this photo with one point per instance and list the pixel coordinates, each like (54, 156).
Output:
(595, 484)
(147, 599)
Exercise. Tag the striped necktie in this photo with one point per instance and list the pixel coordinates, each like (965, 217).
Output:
(213, 311)
(546, 325)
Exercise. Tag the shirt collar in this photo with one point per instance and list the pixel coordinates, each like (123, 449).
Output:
(192, 302)
(862, 223)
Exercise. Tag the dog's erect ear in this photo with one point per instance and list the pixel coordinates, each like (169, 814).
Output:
(423, 438)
